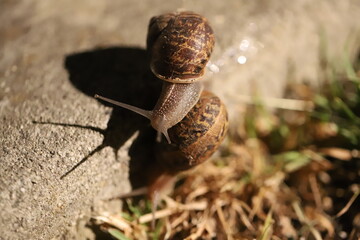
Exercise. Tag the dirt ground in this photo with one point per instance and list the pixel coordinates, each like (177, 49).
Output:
(55, 55)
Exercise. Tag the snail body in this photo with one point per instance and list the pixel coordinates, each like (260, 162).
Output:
(171, 107)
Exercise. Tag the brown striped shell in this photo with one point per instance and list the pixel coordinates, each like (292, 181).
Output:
(196, 137)
(180, 45)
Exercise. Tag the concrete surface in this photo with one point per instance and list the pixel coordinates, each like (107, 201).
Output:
(54, 55)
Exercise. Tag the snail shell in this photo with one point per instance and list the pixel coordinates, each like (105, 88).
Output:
(180, 45)
(196, 137)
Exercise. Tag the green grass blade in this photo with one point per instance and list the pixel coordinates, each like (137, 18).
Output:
(117, 234)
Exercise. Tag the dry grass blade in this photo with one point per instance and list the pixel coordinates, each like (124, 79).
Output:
(168, 228)
(348, 205)
(339, 153)
(133, 193)
(287, 228)
(197, 192)
(180, 219)
(223, 222)
(315, 189)
(200, 227)
(116, 221)
(199, 206)
(306, 221)
(244, 218)
(283, 103)
(257, 203)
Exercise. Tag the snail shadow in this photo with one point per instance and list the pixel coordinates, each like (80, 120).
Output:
(122, 74)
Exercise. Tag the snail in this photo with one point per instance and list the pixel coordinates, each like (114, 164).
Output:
(194, 139)
(179, 45)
